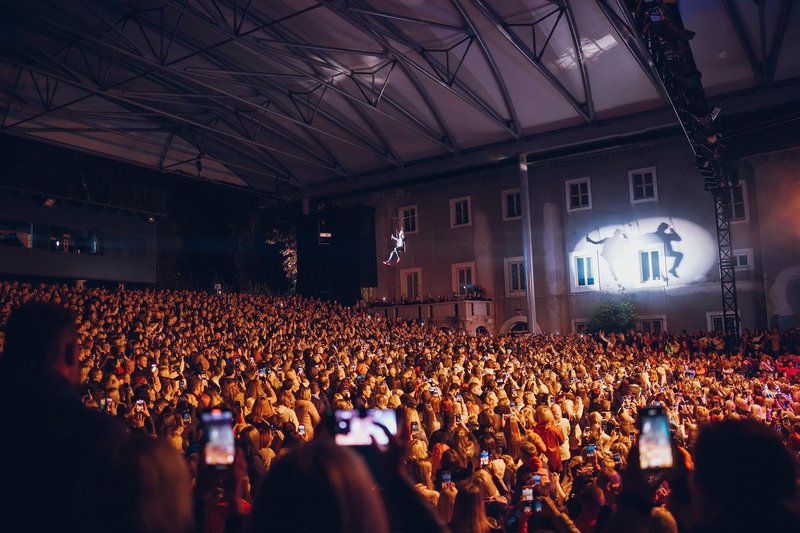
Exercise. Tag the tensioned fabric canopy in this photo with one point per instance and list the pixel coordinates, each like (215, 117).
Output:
(303, 97)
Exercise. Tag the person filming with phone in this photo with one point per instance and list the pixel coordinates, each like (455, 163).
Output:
(717, 498)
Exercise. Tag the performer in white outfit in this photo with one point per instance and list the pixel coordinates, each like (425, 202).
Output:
(399, 246)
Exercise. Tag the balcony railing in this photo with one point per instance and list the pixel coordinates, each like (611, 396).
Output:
(467, 315)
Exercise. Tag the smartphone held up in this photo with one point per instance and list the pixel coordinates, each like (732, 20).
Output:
(655, 443)
(220, 446)
(359, 427)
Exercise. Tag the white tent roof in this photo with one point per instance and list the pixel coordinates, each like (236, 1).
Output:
(299, 97)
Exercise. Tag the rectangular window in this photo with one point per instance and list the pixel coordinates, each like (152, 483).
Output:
(580, 325)
(736, 202)
(515, 276)
(579, 194)
(463, 277)
(743, 259)
(411, 283)
(518, 277)
(650, 266)
(655, 324)
(512, 205)
(643, 186)
(585, 271)
(459, 212)
(715, 321)
(408, 218)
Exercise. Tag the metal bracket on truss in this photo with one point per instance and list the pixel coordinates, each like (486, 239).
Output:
(371, 78)
(307, 102)
(448, 71)
(538, 51)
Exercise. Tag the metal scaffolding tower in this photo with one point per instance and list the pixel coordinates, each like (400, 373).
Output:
(660, 29)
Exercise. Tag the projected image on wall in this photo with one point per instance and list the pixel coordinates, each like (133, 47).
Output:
(641, 253)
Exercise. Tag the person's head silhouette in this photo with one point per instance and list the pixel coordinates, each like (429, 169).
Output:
(42, 336)
(729, 455)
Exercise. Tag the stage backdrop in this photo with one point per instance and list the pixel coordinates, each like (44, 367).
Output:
(336, 266)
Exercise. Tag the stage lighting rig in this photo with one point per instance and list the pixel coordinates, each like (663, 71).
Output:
(659, 26)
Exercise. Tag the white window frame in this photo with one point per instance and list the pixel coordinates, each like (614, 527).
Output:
(453, 202)
(651, 318)
(575, 181)
(710, 315)
(507, 262)
(578, 321)
(573, 271)
(402, 218)
(745, 200)
(747, 252)
(403, 286)
(662, 263)
(504, 203)
(454, 268)
(651, 170)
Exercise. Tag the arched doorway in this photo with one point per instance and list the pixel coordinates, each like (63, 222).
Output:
(519, 322)
(481, 330)
(518, 328)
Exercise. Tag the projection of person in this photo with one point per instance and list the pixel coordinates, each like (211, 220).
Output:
(613, 249)
(666, 236)
(399, 246)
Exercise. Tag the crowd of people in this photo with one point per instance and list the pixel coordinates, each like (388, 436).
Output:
(104, 392)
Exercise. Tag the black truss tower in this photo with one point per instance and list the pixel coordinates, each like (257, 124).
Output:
(659, 26)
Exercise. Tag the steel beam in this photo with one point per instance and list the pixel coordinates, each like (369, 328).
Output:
(777, 43)
(231, 38)
(182, 120)
(252, 44)
(727, 265)
(576, 41)
(411, 20)
(380, 35)
(634, 46)
(503, 27)
(512, 111)
(741, 33)
(173, 75)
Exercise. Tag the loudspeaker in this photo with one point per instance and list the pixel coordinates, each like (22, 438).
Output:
(336, 254)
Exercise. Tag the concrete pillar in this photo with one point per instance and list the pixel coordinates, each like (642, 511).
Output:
(527, 243)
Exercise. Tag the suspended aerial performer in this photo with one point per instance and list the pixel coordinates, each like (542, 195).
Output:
(399, 246)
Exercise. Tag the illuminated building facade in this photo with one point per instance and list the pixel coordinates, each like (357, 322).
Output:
(633, 219)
